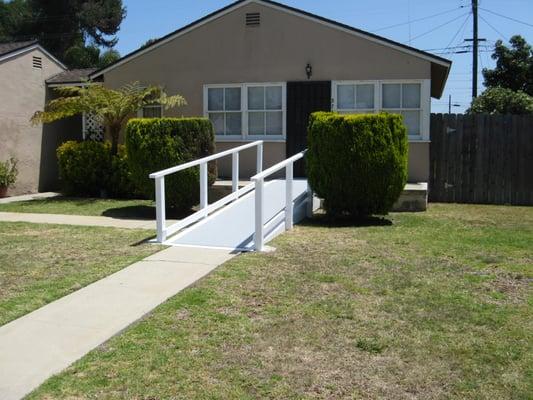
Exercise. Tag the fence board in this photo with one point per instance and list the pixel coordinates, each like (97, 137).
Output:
(481, 159)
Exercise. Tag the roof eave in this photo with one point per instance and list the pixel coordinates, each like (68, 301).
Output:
(30, 47)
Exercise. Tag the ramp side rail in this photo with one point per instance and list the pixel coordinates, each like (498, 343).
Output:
(259, 182)
(163, 231)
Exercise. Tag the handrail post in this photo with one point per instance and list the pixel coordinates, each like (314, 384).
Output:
(203, 186)
(160, 208)
(288, 196)
(258, 235)
(235, 171)
(260, 157)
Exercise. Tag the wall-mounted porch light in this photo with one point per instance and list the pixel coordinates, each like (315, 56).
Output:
(309, 70)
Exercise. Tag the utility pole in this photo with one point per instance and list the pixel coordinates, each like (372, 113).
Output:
(450, 105)
(474, 50)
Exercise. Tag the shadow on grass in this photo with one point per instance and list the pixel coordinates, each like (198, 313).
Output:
(323, 220)
(143, 212)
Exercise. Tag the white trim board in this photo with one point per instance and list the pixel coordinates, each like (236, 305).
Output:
(32, 47)
(279, 7)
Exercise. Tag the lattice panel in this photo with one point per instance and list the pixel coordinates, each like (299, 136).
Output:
(93, 129)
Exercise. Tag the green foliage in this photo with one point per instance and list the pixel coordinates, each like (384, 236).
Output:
(158, 143)
(113, 107)
(89, 169)
(514, 66)
(149, 42)
(120, 184)
(8, 172)
(78, 22)
(83, 167)
(502, 101)
(357, 163)
(81, 56)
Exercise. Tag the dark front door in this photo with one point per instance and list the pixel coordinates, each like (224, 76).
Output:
(303, 98)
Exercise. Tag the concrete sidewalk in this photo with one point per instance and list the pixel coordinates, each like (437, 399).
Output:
(28, 197)
(46, 341)
(79, 220)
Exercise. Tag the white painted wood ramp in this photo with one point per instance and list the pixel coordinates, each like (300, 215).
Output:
(247, 218)
(233, 226)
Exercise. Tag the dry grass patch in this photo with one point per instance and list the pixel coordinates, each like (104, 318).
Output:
(40, 263)
(427, 307)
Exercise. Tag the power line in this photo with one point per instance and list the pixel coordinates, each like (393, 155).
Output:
(417, 20)
(459, 30)
(506, 17)
(493, 28)
(439, 26)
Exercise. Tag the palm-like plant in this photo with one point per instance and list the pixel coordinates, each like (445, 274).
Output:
(113, 107)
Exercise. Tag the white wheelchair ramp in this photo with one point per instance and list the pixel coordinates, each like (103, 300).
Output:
(233, 226)
(247, 218)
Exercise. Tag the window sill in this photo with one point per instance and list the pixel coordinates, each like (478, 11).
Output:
(249, 139)
(414, 139)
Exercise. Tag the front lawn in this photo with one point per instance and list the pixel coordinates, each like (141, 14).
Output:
(84, 206)
(430, 306)
(41, 263)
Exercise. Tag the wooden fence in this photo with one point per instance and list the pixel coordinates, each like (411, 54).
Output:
(486, 159)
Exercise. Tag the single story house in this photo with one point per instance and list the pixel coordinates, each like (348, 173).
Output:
(258, 68)
(24, 69)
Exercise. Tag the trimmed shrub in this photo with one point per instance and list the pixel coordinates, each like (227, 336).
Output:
(88, 169)
(357, 163)
(154, 144)
(84, 167)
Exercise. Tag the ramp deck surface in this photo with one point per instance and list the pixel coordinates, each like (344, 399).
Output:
(233, 226)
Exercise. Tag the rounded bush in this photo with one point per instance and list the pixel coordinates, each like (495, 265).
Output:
(84, 167)
(88, 169)
(154, 144)
(357, 163)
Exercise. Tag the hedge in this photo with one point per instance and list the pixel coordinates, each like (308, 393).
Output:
(154, 144)
(83, 167)
(88, 169)
(357, 163)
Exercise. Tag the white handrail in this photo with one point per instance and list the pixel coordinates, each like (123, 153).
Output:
(275, 168)
(162, 230)
(212, 157)
(259, 182)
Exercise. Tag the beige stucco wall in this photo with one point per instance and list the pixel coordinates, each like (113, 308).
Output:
(22, 92)
(419, 162)
(226, 51)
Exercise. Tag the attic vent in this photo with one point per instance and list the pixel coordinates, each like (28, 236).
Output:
(253, 19)
(37, 62)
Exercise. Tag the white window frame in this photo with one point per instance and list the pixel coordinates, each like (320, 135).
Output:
(425, 101)
(244, 136)
(140, 112)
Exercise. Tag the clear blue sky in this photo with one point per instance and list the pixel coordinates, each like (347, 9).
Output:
(155, 18)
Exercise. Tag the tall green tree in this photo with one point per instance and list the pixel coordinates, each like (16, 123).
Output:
(514, 66)
(15, 16)
(60, 25)
(89, 56)
(498, 100)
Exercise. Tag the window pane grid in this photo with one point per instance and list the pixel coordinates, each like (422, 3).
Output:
(246, 110)
(404, 99)
(265, 110)
(358, 97)
(224, 110)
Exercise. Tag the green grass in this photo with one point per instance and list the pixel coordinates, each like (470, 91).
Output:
(435, 305)
(84, 206)
(41, 263)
